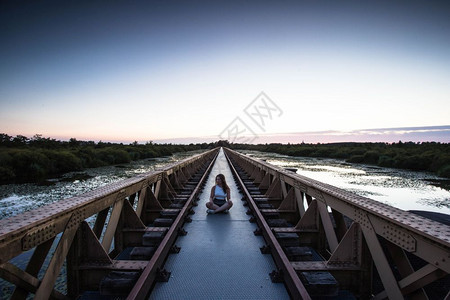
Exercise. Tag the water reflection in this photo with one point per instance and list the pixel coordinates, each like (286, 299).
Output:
(406, 190)
(403, 189)
(18, 198)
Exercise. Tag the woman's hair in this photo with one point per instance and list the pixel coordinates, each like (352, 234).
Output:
(225, 187)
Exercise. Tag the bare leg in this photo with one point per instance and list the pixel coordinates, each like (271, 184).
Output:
(227, 205)
(212, 206)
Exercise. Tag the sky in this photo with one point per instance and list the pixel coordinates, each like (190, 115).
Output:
(246, 71)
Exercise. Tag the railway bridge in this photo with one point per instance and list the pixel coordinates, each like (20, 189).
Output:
(149, 237)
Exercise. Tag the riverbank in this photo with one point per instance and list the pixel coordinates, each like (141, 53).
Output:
(430, 157)
(404, 189)
(24, 160)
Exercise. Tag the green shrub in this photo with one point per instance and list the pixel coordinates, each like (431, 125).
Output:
(323, 152)
(412, 162)
(385, 161)
(5, 158)
(356, 151)
(340, 153)
(64, 161)
(30, 165)
(7, 175)
(444, 171)
(301, 151)
(36, 172)
(134, 155)
(113, 156)
(356, 159)
(149, 153)
(371, 157)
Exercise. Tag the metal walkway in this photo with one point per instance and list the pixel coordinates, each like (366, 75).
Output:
(220, 256)
(116, 240)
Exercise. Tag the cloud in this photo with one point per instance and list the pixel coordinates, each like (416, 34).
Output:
(387, 135)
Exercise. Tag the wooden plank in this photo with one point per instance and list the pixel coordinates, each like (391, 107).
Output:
(116, 265)
(302, 266)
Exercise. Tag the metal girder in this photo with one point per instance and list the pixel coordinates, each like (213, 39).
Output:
(25, 281)
(419, 236)
(295, 286)
(39, 227)
(149, 273)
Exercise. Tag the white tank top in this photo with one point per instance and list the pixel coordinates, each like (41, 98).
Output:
(219, 193)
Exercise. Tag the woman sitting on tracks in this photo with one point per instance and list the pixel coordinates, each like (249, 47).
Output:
(220, 196)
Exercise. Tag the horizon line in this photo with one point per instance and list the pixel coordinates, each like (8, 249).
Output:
(437, 133)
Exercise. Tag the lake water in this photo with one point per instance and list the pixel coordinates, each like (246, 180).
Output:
(403, 189)
(17, 198)
(406, 190)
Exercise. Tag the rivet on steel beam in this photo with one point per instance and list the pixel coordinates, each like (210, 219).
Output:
(252, 220)
(249, 212)
(188, 219)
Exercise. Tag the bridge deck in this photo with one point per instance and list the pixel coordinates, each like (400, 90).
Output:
(220, 255)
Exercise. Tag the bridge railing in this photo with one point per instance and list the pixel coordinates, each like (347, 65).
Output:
(127, 203)
(353, 233)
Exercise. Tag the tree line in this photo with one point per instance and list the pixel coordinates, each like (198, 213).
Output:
(35, 159)
(428, 156)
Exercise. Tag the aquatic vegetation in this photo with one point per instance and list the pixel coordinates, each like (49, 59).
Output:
(405, 189)
(37, 159)
(429, 156)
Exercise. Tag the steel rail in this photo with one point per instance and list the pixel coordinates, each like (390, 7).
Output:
(51, 219)
(427, 234)
(405, 231)
(148, 276)
(40, 226)
(295, 287)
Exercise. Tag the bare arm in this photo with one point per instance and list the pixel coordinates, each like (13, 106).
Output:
(211, 197)
(228, 195)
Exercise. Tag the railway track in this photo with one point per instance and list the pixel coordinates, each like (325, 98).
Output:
(122, 254)
(281, 238)
(324, 241)
(161, 233)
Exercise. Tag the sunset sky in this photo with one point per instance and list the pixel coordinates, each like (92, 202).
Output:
(162, 70)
